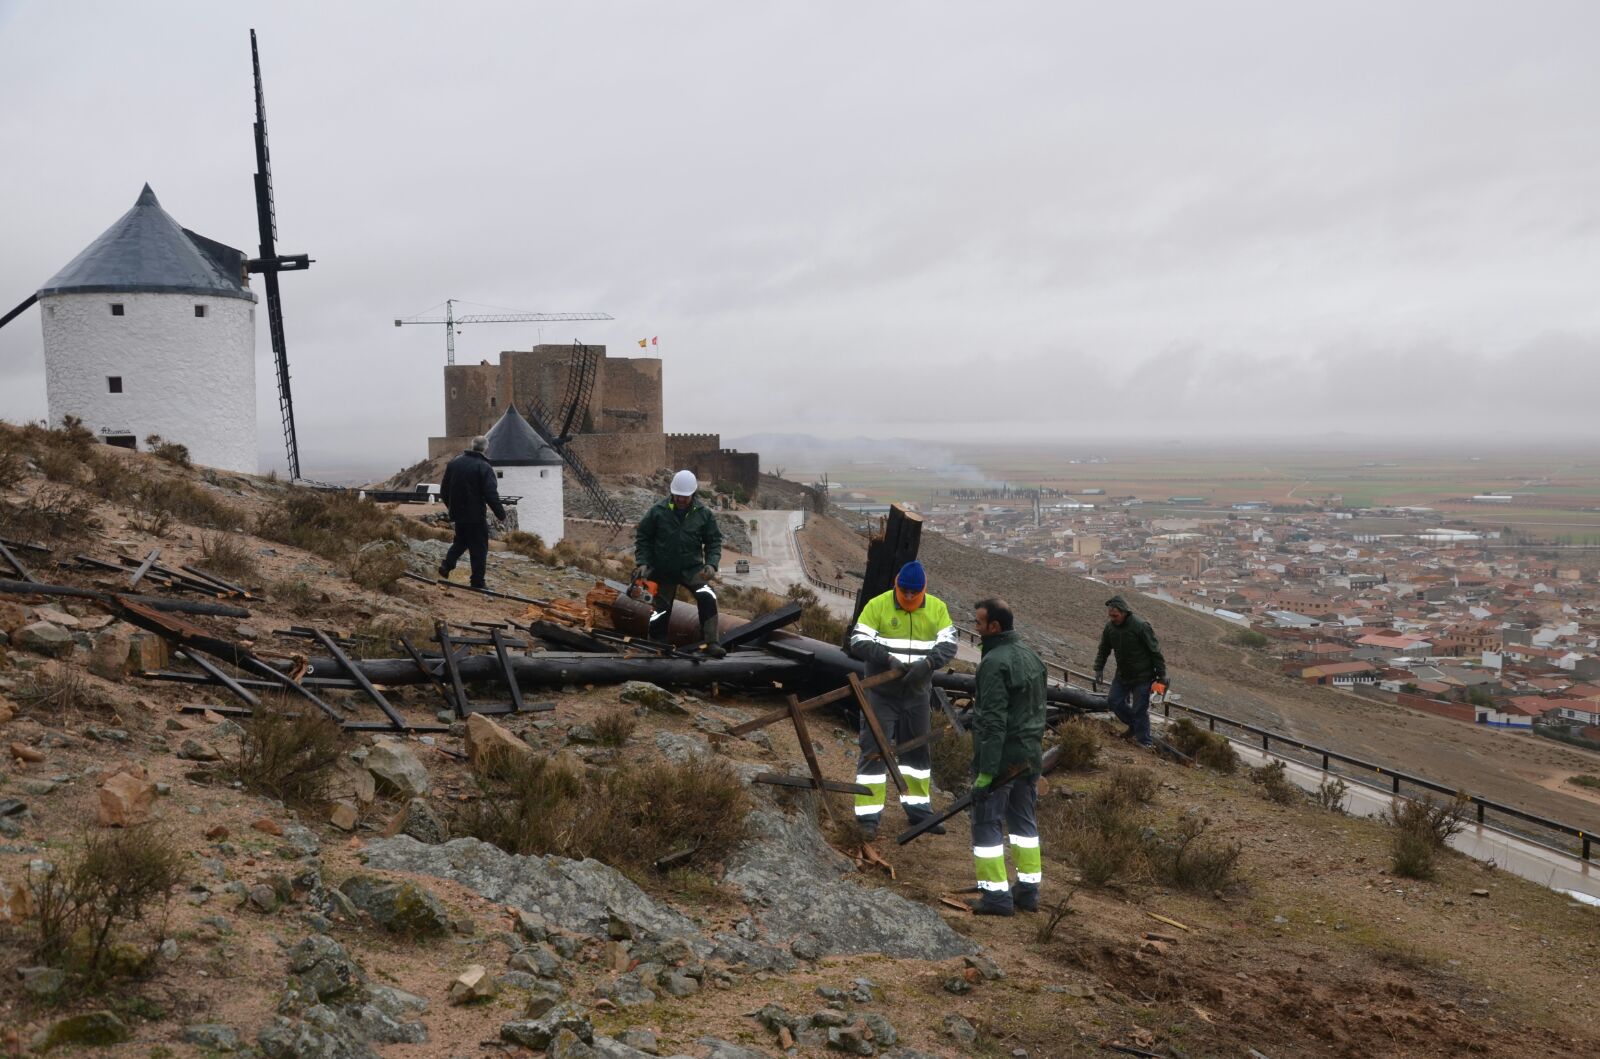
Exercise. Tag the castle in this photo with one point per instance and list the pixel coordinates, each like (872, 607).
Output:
(622, 429)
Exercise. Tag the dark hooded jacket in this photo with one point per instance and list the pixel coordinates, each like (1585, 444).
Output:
(1008, 712)
(468, 484)
(1134, 643)
(676, 544)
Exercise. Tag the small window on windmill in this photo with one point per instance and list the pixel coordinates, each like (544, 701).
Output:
(116, 308)
(200, 312)
(113, 383)
(492, 401)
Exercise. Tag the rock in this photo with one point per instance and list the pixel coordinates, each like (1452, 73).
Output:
(108, 659)
(147, 652)
(423, 824)
(267, 825)
(263, 899)
(302, 842)
(532, 927)
(216, 833)
(850, 1040)
(472, 985)
(42, 982)
(828, 1018)
(720, 1049)
(192, 749)
(343, 816)
(212, 1036)
(538, 1033)
(92, 1028)
(55, 616)
(398, 907)
(349, 780)
(961, 1030)
(958, 985)
(676, 984)
(489, 745)
(806, 947)
(324, 967)
(23, 752)
(796, 881)
(567, 1045)
(8, 709)
(627, 991)
(374, 1024)
(651, 697)
(397, 1002)
(986, 968)
(1480, 893)
(639, 1040)
(125, 800)
(883, 1031)
(579, 896)
(321, 1034)
(540, 960)
(44, 638)
(397, 769)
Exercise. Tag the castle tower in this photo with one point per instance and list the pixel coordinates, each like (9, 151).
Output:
(529, 468)
(151, 330)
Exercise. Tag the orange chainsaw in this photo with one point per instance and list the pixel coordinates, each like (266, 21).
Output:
(641, 589)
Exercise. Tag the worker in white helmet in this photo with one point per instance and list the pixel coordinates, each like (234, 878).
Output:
(678, 542)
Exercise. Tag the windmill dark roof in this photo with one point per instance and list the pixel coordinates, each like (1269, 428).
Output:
(513, 443)
(146, 250)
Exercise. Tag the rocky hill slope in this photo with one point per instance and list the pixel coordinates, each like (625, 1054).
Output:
(189, 883)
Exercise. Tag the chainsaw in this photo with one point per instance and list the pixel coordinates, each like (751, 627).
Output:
(641, 589)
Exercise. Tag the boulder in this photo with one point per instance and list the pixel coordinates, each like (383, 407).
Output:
(343, 815)
(125, 800)
(212, 1036)
(396, 769)
(489, 745)
(568, 1045)
(108, 658)
(720, 1049)
(472, 985)
(538, 1033)
(324, 967)
(44, 638)
(42, 982)
(651, 697)
(423, 824)
(90, 1029)
(321, 1034)
(399, 907)
(13, 616)
(350, 781)
(147, 652)
(960, 1030)
(8, 709)
(795, 882)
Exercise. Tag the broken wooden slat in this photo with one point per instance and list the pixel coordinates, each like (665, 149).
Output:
(499, 640)
(783, 779)
(255, 683)
(819, 701)
(240, 692)
(441, 632)
(757, 629)
(422, 667)
(360, 678)
(797, 715)
(16, 564)
(226, 586)
(870, 718)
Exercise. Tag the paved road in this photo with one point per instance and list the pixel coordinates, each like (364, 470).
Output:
(778, 561)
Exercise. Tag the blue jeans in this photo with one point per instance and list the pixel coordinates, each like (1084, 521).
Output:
(1131, 704)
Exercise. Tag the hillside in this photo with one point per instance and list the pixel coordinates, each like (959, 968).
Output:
(354, 906)
(1063, 613)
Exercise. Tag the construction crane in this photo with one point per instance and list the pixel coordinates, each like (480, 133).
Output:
(451, 321)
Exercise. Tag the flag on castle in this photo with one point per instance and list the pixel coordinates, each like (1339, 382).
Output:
(655, 341)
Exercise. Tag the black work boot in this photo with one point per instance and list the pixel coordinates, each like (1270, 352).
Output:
(444, 572)
(993, 904)
(1025, 897)
(711, 634)
(916, 818)
(868, 826)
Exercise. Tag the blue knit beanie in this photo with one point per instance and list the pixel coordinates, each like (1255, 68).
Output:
(913, 578)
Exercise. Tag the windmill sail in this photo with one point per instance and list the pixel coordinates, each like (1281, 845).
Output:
(557, 426)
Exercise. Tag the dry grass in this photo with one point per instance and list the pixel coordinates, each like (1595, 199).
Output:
(378, 567)
(302, 600)
(169, 451)
(1207, 748)
(56, 689)
(183, 501)
(228, 556)
(1100, 834)
(289, 757)
(108, 886)
(1132, 785)
(614, 727)
(332, 524)
(628, 817)
(1422, 828)
(1190, 860)
(528, 544)
(1331, 793)
(1080, 744)
(952, 761)
(1273, 779)
(53, 513)
(816, 621)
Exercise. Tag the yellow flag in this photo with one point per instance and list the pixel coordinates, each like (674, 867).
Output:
(642, 343)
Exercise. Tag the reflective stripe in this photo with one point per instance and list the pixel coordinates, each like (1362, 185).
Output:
(872, 809)
(657, 614)
(915, 773)
(1033, 877)
(947, 634)
(994, 887)
(867, 779)
(915, 799)
(988, 852)
(1025, 841)
(705, 589)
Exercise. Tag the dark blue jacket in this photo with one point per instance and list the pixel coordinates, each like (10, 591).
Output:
(468, 485)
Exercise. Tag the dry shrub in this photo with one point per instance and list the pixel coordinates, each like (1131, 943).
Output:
(951, 752)
(170, 451)
(1131, 785)
(614, 727)
(287, 755)
(183, 501)
(1422, 828)
(528, 544)
(227, 556)
(1057, 912)
(1331, 793)
(156, 525)
(61, 465)
(1273, 779)
(751, 601)
(302, 600)
(1080, 745)
(628, 817)
(110, 884)
(1192, 861)
(332, 524)
(1207, 748)
(378, 567)
(53, 513)
(1099, 834)
(816, 621)
(55, 689)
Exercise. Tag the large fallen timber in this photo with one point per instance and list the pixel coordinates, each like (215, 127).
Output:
(556, 668)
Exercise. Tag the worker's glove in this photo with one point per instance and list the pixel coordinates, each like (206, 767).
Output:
(982, 786)
(917, 671)
(1099, 676)
(644, 573)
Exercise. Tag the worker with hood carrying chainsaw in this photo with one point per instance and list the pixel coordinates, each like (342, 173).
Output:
(678, 542)
(1139, 666)
(909, 629)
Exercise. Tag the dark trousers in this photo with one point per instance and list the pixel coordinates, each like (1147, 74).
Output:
(1131, 704)
(901, 721)
(472, 538)
(705, 600)
(1000, 813)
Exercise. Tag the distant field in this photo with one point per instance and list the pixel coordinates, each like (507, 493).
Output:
(1555, 497)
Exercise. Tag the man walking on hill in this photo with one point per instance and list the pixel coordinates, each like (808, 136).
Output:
(909, 629)
(1007, 736)
(469, 484)
(1139, 664)
(678, 542)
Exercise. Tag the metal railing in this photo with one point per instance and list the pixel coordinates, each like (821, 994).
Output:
(1066, 674)
(805, 567)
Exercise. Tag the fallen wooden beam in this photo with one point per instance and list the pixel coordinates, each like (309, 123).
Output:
(162, 603)
(783, 779)
(556, 668)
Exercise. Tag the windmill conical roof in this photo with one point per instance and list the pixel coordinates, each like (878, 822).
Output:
(146, 250)
(513, 442)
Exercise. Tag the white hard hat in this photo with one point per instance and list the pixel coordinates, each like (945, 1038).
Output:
(684, 484)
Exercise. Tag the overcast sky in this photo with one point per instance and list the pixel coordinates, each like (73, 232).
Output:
(1024, 221)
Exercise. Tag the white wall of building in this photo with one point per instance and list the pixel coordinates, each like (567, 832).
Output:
(542, 508)
(189, 379)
